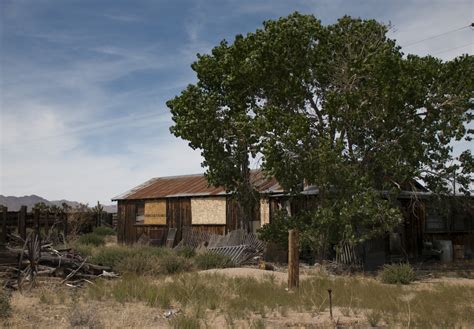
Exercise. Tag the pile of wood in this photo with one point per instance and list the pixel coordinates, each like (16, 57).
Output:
(241, 247)
(20, 265)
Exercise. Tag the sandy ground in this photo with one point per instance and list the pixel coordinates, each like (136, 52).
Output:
(234, 272)
(52, 305)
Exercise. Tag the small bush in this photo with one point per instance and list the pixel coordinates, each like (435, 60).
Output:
(92, 239)
(104, 230)
(85, 250)
(397, 274)
(5, 304)
(186, 251)
(184, 322)
(210, 260)
(139, 265)
(373, 317)
(174, 264)
(84, 318)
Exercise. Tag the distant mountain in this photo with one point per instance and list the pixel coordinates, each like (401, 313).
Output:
(15, 202)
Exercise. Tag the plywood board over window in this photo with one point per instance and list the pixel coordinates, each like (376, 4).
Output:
(155, 212)
(210, 211)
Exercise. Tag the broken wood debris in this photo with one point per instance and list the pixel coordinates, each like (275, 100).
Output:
(21, 266)
(241, 247)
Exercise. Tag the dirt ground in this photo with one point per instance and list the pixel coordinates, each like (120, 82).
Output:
(52, 305)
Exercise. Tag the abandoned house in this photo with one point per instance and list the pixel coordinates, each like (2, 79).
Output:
(153, 207)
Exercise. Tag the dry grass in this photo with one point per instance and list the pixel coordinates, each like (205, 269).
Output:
(217, 301)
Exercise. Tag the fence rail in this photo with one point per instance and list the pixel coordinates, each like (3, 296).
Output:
(20, 221)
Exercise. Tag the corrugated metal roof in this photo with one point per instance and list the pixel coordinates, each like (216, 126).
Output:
(192, 185)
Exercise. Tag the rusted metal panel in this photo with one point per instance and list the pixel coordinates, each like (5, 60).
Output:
(192, 185)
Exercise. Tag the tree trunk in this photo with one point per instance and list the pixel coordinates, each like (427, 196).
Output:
(246, 196)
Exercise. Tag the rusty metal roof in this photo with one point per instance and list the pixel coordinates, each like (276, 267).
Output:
(192, 185)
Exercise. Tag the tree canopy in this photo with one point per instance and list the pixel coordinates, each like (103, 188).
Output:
(338, 106)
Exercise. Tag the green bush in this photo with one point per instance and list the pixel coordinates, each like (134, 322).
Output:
(171, 264)
(397, 274)
(103, 231)
(5, 304)
(92, 239)
(139, 265)
(210, 260)
(136, 259)
(186, 251)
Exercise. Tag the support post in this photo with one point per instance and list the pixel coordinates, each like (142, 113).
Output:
(4, 225)
(37, 216)
(65, 226)
(293, 260)
(22, 222)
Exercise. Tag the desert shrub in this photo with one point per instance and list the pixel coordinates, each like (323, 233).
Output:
(171, 264)
(184, 322)
(186, 251)
(92, 239)
(5, 304)
(111, 256)
(210, 260)
(85, 250)
(104, 230)
(84, 318)
(138, 264)
(397, 274)
(373, 317)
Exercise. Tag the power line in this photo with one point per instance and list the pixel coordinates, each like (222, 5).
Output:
(446, 50)
(438, 35)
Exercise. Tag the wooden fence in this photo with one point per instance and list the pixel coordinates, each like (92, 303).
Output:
(20, 221)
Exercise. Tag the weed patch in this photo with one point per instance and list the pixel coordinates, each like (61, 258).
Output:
(397, 274)
(91, 239)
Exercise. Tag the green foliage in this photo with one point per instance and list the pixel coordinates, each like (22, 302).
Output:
(103, 231)
(172, 264)
(186, 251)
(5, 304)
(210, 260)
(398, 274)
(91, 239)
(113, 255)
(336, 106)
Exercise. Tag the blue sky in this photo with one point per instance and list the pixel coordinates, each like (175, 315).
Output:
(84, 83)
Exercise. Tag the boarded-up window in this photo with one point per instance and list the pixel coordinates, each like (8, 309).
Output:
(208, 211)
(155, 212)
(264, 211)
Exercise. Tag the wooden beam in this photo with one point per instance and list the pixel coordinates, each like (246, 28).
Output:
(4, 225)
(22, 222)
(293, 260)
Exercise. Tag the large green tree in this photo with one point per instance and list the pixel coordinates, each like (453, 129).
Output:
(348, 112)
(338, 106)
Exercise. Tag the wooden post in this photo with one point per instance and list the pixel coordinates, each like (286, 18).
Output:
(65, 225)
(293, 260)
(46, 223)
(4, 225)
(22, 222)
(37, 216)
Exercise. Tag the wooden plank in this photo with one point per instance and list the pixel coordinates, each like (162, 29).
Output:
(293, 260)
(4, 225)
(22, 222)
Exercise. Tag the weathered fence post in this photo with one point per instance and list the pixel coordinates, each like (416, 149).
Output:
(46, 223)
(36, 217)
(65, 226)
(293, 260)
(4, 224)
(22, 222)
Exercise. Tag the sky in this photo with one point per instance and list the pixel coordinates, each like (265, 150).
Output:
(83, 84)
